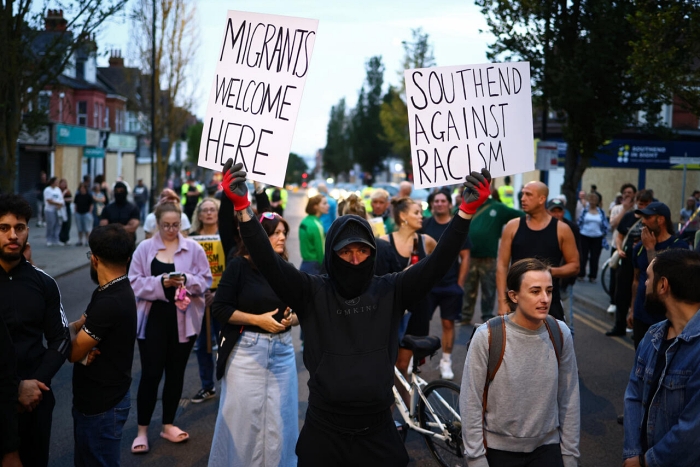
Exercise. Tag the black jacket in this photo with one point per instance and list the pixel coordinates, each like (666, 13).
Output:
(350, 346)
(9, 434)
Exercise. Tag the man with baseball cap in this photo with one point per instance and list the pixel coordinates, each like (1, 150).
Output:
(658, 234)
(350, 318)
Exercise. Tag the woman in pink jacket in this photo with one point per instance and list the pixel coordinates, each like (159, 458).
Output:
(169, 274)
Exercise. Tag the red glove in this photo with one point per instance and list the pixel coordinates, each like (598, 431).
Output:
(477, 191)
(234, 185)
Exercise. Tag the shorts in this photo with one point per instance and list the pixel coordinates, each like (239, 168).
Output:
(449, 299)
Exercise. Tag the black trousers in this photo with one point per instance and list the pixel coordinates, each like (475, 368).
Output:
(350, 441)
(548, 455)
(590, 253)
(35, 432)
(623, 292)
(161, 352)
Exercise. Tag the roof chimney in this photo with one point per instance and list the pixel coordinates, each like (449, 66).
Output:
(54, 21)
(115, 59)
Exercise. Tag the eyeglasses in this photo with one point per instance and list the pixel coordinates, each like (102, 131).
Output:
(269, 216)
(208, 210)
(175, 226)
(88, 254)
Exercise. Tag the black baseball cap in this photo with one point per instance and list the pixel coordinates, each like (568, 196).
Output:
(353, 232)
(655, 209)
(555, 203)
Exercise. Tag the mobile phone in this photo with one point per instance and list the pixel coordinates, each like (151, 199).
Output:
(175, 275)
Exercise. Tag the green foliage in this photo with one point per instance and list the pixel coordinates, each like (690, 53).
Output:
(194, 138)
(336, 155)
(295, 168)
(417, 54)
(369, 146)
(666, 51)
(578, 53)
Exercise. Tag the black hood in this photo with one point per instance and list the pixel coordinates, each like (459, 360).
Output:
(339, 276)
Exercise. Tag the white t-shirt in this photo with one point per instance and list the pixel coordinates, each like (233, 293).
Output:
(150, 225)
(53, 194)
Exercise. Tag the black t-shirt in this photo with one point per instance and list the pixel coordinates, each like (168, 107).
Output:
(111, 320)
(82, 203)
(627, 221)
(120, 214)
(435, 230)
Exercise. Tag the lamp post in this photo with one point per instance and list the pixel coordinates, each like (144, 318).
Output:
(153, 106)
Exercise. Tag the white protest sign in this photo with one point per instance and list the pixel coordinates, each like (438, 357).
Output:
(463, 118)
(254, 100)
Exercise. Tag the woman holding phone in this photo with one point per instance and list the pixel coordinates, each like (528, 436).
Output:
(169, 274)
(258, 416)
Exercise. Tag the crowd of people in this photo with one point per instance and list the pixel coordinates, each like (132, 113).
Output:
(214, 275)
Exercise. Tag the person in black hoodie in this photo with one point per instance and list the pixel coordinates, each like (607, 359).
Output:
(350, 319)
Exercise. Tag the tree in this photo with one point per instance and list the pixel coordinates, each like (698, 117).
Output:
(370, 149)
(578, 55)
(176, 45)
(666, 51)
(295, 168)
(31, 60)
(393, 114)
(194, 138)
(336, 155)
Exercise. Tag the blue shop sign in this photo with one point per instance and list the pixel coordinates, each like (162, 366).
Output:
(640, 154)
(94, 153)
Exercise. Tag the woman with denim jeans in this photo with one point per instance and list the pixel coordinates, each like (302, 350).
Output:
(257, 423)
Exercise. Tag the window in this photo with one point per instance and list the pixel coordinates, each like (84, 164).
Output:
(106, 121)
(44, 101)
(96, 115)
(82, 113)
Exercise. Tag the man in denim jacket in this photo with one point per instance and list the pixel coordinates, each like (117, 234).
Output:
(662, 401)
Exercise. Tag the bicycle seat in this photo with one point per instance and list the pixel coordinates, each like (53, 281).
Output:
(421, 346)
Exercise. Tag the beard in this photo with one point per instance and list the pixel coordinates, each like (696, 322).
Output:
(93, 274)
(11, 257)
(654, 305)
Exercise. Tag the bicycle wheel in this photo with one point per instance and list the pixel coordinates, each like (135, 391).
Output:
(443, 398)
(605, 277)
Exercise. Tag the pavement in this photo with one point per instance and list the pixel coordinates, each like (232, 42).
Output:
(58, 261)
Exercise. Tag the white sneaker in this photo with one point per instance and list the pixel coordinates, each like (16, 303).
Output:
(612, 308)
(446, 370)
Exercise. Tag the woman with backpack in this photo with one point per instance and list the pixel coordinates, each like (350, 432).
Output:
(521, 406)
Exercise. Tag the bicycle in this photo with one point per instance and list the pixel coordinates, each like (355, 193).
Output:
(437, 416)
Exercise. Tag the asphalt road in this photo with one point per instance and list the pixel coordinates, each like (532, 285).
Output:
(604, 365)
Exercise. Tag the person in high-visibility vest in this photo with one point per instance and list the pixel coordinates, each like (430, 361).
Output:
(507, 193)
(278, 199)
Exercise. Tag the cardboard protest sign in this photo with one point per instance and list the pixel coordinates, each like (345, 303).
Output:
(254, 100)
(215, 255)
(463, 118)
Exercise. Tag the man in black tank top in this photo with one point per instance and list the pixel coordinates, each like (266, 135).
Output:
(537, 235)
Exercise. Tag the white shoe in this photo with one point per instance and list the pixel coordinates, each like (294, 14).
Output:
(612, 309)
(446, 370)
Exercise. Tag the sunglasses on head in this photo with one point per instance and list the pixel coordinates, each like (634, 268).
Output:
(269, 216)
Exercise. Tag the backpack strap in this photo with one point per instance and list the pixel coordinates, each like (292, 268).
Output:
(497, 347)
(556, 337)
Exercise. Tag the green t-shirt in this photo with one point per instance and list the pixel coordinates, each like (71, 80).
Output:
(486, 228)
(311, 239)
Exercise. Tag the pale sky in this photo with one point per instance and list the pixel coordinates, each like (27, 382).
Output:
(349, 33)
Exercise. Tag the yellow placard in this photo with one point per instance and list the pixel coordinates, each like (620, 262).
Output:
(215, 255)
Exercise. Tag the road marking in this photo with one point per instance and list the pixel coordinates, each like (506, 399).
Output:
(600, 327)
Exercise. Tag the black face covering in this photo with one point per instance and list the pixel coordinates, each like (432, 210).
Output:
(351, 280)
(120, 197)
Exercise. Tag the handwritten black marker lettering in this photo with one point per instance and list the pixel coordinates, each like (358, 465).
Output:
(421, 164)
(449, 165)
(482, 121)
(430, 87)
(519, 81)
(437, 164)
(478, 84)
(238, 96)
(425, 98)
(306, 53)
(210, 139)
(258, 153)
(466, 125)
(285, 102)
(444, 89)
(504, 80)
(464, 86)
(432, 127)
(421, 131)
(301, 43)
(264, 55)
(451, 125)
(230, 145)
(250, 47)
(234, 38)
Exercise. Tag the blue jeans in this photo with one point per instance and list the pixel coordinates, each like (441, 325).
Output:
(258, 419)
(98, 437)
(204, 358)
